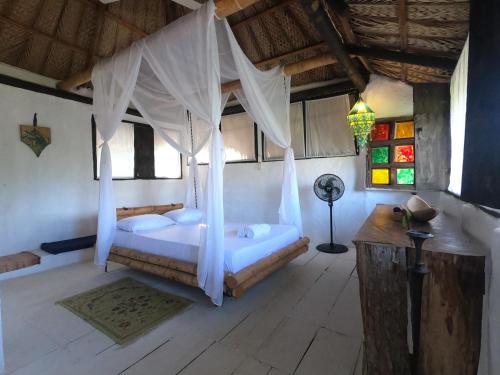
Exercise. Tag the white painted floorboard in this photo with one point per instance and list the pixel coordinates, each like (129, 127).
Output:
(304, 319)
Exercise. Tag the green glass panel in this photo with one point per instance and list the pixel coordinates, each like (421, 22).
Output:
(380, 155)
(405, 176)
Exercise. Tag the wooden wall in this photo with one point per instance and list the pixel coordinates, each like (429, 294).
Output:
(431, 106)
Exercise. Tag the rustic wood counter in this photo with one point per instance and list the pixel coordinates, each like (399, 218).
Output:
(451, 303)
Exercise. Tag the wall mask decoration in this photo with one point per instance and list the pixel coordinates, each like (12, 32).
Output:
(35, 137)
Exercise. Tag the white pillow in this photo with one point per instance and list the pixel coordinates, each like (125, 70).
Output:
(185, 215)
(144, 222)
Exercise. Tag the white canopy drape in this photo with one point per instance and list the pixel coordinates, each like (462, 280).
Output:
(172, 75)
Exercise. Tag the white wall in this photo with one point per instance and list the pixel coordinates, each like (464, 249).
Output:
(55, 197)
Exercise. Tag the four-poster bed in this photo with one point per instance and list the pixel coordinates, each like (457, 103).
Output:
(174, 79)
(235, 283)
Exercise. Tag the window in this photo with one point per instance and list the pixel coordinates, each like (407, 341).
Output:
(240, 140)
(458, 111)
(391, 155)
(166, 157)
(274, 152)
(327, 130)
(122, 151)
(239, 134)
(137, 152)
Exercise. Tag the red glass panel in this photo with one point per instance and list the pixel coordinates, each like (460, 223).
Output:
(404, 154)
(380, 132)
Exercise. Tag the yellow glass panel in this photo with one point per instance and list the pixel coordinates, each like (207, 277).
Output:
(404, 130)
(380, 176)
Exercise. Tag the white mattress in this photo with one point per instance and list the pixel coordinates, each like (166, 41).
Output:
(181, 242)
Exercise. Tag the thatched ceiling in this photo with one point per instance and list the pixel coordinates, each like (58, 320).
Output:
(57, 38)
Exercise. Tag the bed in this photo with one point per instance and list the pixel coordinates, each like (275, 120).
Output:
(172, 252)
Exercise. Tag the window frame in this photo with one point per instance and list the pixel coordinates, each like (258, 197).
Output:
(94, 156)
(392, 165)
(304, 117)
(256, 146)
(263, 136)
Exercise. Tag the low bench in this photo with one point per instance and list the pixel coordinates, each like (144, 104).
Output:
(17, 261)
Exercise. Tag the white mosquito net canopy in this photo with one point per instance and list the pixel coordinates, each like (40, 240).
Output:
(174, 77)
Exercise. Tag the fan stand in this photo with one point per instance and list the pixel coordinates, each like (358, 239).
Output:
(332, 248)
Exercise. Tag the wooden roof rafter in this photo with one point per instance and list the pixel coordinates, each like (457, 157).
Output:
(115, 18)
(403, 33)
(270, 10)
(96, 37)
(342, 16)
(30, 39)
(322, 22)
(429, 22)
(54, 35)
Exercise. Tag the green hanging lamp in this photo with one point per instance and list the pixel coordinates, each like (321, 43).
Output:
(361, 119)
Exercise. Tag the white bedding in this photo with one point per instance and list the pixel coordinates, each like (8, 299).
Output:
(181, 242)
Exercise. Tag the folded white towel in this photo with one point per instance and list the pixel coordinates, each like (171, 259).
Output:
(256, 230)
(241, 231)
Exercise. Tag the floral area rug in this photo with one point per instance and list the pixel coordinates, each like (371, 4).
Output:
(125, 309)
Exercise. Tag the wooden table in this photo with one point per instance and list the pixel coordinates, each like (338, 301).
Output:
(450, 334)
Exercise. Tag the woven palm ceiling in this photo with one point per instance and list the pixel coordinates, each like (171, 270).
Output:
(57, 38)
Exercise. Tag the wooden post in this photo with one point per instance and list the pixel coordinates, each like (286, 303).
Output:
(452, 296)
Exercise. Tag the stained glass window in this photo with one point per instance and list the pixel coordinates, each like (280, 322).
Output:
(380, 176)
(404, 154)
(380, 132)
(391, 155)
(405, 176)
(404, 130)
(380, 155)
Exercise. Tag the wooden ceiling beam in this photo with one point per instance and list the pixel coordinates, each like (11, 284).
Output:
(417, 3)
(389, 34)
(326, 29)
(403, 57)
(292, 69)
(430, 22)
(334, 89)
(341, 13)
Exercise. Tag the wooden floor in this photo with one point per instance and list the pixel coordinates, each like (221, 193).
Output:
(305, 319)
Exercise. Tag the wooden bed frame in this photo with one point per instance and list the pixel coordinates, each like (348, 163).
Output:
(235, 284)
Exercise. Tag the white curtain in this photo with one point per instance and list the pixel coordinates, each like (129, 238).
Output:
(265, 95)
(114, 81)
(328, 132)
(175, 72)
(458, 111)
(121, 147)
(274, 152)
